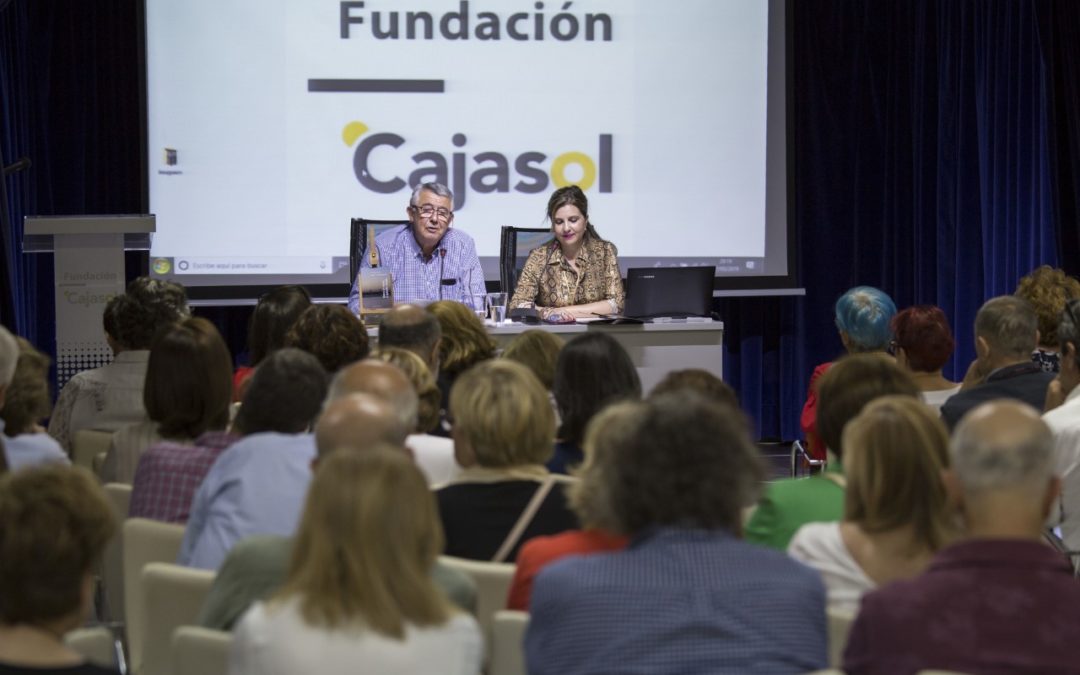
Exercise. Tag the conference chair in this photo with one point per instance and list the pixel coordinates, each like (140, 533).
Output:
(358, 236)
(801, 461)
(514, 247)
(507, 642)
(86, 444)
(172, 597)
(839, 626)
(492, 586)
(200, 651)
(95, 644)
(144, 542)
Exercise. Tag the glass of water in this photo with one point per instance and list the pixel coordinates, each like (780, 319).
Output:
(496, 306)
(478, 302)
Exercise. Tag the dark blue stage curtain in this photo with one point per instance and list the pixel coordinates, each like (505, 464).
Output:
(936, 149)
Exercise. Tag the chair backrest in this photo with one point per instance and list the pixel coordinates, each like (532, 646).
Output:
(839, 626)
(492, 586)
(97, 645)
(144, 542)
(172, 597)
(507, 638)
(514, 246)
(112, 561)
(200, 651)
(86, 444)
(358, 231)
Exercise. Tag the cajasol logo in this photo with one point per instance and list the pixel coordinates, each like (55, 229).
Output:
(484, 171)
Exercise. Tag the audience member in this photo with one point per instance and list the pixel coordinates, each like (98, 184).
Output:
(274, 315)
(999, 600)
(185, 396)
(333, 334)
(257, 567)
(1047, 289)
(111, 397)
(465, 342)
(609, 430)
(1006, 334)
(538, 350)
(862, 317)
(701, 381)
(849, 384)
(359, 590)
(923, 344)
(1063, 418)
(54, 524)
(593, 371)
(24, 403)
(411, 327)
(257, 485)
(679, 599)
(503, 433)
(433, 454)
(894, 508)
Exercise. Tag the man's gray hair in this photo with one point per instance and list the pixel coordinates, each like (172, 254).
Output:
(1002, 444)
(437, 188)
(1009, 324)
(9, 356)
(404, 400)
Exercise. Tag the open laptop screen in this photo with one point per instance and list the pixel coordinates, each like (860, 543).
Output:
(653, 292)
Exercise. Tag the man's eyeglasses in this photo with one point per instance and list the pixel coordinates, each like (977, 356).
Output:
(427, 210)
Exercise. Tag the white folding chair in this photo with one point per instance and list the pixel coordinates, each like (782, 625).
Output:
(112, 567)
(200, 651)
(144, 541)
(86, 444)
(839, 626)
(172, 597)
(507, 642)
(97, 645)
(492, 586)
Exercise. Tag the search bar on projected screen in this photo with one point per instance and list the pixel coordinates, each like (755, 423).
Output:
(269, 265)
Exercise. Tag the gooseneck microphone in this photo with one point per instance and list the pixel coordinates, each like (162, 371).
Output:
(442, 261)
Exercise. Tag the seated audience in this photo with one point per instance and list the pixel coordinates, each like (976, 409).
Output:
(503, 433)
(433, 454)
(411, 327)
(465, 342)
(610, 429)
(701, 381)
(111, 397)
(538, 350)
(274, 315)
(24, 403)
(1047, 289)
(923, 345)
(257, 485)
(850, 384)
(862, 317)
(894, 507)
(359, 592)
(188, 389)
(183, 396)
(331, 333)
(1006, 332)
(1063, 418)
(687, 595)
(593, 371)
(54, 524)
(999, 600)
(353, 421)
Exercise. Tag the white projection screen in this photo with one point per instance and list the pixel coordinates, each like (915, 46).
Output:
(271, 123)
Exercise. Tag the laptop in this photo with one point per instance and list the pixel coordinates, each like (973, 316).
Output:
(675, 292)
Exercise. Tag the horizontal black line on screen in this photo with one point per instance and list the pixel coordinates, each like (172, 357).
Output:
(379, 86)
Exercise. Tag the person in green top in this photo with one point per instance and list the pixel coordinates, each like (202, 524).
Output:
(842, 392)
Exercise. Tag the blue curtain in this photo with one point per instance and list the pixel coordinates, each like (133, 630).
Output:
(936, 148)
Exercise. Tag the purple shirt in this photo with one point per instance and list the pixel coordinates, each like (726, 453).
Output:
(454, 276)
(982, 606)
(169, 474)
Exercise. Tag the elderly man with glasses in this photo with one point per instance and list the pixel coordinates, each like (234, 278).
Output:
(428, 259)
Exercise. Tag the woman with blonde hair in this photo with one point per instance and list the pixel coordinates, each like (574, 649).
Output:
(359, 593)
(895, 512)
(465, 342)
(1048, 289)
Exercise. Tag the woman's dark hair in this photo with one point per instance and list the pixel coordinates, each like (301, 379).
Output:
(147, 307)
(593, 370)
(275, 314)
(188, 380)
(284, 395)
(331, 333)
(572, 195)
(923, 333)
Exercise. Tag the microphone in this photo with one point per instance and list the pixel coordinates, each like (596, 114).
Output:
(442, 261)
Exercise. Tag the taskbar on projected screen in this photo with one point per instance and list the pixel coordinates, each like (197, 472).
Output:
(248, 270)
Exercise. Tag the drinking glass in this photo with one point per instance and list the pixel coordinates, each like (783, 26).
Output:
(496, 305)
(478, 302)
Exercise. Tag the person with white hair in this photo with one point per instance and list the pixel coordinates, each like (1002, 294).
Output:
(999, 599)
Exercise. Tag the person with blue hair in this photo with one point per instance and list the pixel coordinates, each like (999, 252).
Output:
(863, 315)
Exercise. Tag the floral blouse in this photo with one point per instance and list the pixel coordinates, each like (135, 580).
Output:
(549, 281)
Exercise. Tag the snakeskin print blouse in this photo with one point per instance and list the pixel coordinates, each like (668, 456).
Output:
(549, 281)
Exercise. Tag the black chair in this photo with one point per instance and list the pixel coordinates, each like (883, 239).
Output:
(358, 231)
(515, 245)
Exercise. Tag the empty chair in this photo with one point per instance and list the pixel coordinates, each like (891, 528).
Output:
(172, 597)
(96, 644)
(507, 638)
(492, 586)
(86, 444)
(144, 542)
(200, 651)
(112, 563)
(839, 626)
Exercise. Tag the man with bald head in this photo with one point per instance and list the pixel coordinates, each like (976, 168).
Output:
(998, 599)
(413, 328)
(359, 421)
